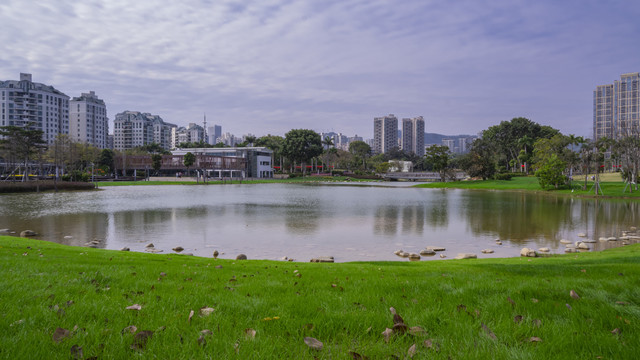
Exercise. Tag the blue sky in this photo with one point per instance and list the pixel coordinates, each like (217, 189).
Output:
(268, 66)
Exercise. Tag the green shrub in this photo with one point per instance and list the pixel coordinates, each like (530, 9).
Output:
(503, 176)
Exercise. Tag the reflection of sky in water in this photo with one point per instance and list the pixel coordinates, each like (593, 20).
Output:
(270, 221)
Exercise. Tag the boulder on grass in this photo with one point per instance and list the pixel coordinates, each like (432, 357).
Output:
(528, 252)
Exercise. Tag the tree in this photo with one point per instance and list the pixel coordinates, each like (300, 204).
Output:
(21, 144)
(552, 172)
(106, 159)
(628, 150)
(302, 145)
(438, 157)
(154, 148)
(482, 159)
(360, 149)
(156, 162)
(250, 139)
(509, 138)
(188, 160)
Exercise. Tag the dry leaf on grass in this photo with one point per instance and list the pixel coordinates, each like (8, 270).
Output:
(417, 331)
(131, 329)
(250, 334)
(517, 318)
(356, 356)
(76, 352)
(387, 334)
(134, 307)
(574, 295)
(140, 340)
(412, 351)
(206, 311)
(191, 315)
(313, 343)
(535, 339)
(60, 334)
(488, 331)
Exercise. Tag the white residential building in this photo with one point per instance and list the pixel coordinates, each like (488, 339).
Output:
(413, 135)
(88, 122)
(133, 128)
(25, 103)
(385, 133)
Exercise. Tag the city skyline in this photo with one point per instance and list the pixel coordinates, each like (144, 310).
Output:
(270, 66)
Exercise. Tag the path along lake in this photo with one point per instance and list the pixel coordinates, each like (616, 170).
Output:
(302, 221)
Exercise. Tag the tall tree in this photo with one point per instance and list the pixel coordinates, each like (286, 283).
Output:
(22, 144)
(188, 160)
(301, 145)
(506, 137)
(438, 157)
(360, 149)
(156, 162)
(482, 159)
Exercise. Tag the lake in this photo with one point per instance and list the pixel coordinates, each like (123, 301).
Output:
(301, 221)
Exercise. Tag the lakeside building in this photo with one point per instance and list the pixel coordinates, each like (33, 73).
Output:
(616, 108)
(413, 135)
(133, 128)
(245, 162)
(88, 122)
(258, 160)
(385, 133)
(25, 103)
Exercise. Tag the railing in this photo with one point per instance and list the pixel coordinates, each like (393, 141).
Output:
(176, 162)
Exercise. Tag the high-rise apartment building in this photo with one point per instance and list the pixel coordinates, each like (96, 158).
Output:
(616, 108)
(213, 134)
(25, 103)
(413, 135)
(88, 122)
(133, 128)
(385, 133)
(191, 134)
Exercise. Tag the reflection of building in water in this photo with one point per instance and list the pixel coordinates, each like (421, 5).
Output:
(609, 219)
(413, 219)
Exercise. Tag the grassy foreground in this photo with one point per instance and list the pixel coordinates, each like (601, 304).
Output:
(610, 188)
(69, 302)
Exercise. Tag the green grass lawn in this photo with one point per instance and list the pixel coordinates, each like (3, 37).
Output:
(514, 308)
(530, 183)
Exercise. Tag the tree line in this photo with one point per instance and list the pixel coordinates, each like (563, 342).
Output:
(518, 146)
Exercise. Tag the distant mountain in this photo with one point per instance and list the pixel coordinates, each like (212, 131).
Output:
(432, 138)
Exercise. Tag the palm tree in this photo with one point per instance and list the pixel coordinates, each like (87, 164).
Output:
(523, 142)
(250, 139)
(328, 143)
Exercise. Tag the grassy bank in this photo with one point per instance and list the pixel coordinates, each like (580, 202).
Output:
(46, 185)
(491, 308)
(609, 188)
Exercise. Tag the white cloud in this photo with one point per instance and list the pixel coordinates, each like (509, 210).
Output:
(271, 65)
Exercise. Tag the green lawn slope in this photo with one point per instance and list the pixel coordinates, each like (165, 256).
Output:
(71, 302)
(612, 189)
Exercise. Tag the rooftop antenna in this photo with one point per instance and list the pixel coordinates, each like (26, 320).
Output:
(206, 139)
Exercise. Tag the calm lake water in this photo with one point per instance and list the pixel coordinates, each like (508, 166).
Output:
(351, 223)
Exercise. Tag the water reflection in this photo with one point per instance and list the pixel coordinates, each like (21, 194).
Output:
(351, 223)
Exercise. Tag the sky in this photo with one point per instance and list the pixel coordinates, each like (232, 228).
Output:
(268, 66)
